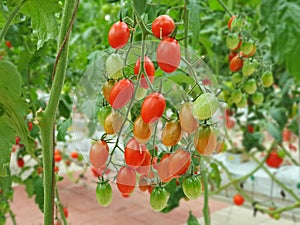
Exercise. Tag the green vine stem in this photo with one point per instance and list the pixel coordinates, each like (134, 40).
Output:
(47, 118)
(13, 217)
(225, 7)
(60, 207)
(205, 208)
(10, 19)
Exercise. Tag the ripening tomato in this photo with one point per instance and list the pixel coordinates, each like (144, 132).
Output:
(231, 55)
(159, 198)
(148, 67)
(179, 162)
(134, 153)
(153, 107)
(236, 63)
(163, 26)
(113, 123)
(168, 55)
(192, 187)
(118, 35)
(99, 154)
(74, 155)
(107, 87)
(66, 212)
(238, 199)
(171, 133)
(126, 179)
(144, 168)
(205, 140)
(188, 122)
(20, 162)
(163, 169)
(121, 93)
(8, 44)
(57, 157)
(274, 160)
(56, 169)
(230, 22)
(104, 193)
(142, 131)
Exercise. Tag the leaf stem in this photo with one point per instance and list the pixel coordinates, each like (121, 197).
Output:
(225, 7)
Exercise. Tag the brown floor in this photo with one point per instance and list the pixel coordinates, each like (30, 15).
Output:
(84, 209)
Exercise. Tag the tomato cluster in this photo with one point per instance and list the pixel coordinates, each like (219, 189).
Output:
(160, 140)
(248, 78)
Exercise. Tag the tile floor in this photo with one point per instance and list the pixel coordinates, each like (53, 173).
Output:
(84, 209)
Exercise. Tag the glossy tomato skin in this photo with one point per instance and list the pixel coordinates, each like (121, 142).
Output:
(230, 22)
(168, 55)
(99, 154)
(171, 133)
(126, 179)
(113, 123)
(192, 187)
(236, 63)
(104, 193)
(163, 168)
(159, 198)
(153, 107)
(179, 163)
(188, 122)
(118, 35)
(134, 153)
(274, 160)
(121, 94)
(205, 141)
(106, 89)
(148, 67)
(142, 131)
(163, 26)
(238, 199)
(231, 55)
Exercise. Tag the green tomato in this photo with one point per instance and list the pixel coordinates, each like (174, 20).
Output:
(250, 86)
(104, 193)
(236, 95)
(103, 113)
(192, 187)
(114, 65)
(242, 103)
(257, 98)
(159, 198)
(140, 93)
(236, 78)
(247, 47)
(281, 153)
(232, 40)
(267, 79)
(237, 24)
(248, 68)
(205, 106)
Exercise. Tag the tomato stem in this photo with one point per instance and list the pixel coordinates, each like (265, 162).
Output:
(225, 7)
(205, 208)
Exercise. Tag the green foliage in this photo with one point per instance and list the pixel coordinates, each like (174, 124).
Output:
(176, 193)
(192, 220)
(38, 188)
(140, 6)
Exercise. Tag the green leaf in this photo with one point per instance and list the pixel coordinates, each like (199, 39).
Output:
(39, 192)
(140, 6)
(29, 187)
(192, 220)
(173, 201)
(252, 140)
(274, 131)
(215, 5)
(280, 116)
(215, 174)
(10, 79)
(63, 129)
(43, 19)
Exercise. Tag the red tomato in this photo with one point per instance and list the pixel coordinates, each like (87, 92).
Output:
(18, 140)
(163, 26)
(126, 179)
(231, 55)
(163, 169)
(99, 154)
(121, 93)
(229, 122)
(30, 125)
(56, 169)
(57, 158)
(74, 155)
(20, 162)
(236, 63)
(250, 128)
(238, 199)
(66, 212)
(274, 160)
(148, 67)
(39, 170)
(8, 44)
(179, 163)
(144, 168)
(230, 22)
(135, 153)
(118, 35)
(286, 135)
(168, 55)
(57, 152)
(153, 107)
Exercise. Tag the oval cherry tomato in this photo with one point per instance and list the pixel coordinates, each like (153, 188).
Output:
(163, 26)
(179, 162)
(188, 122)
(126, 179)
(144, 168)
(118, 35)
(121, 93)
(142, 131)
(274, 160)
(103, 112)
(238, 199)
(192, 187)
(171, 133)
(153, 107)
(107, 87)
(205, 140)
(236, 63)
(231, 55)
(163, 169)
(113, 123)
(57, 158)
(99, 154)
(104, 193)
(114, 65)
(168, 55)
(159, 198)
(148, 67)
(230, 22)
(134, 153)
(74, 155)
